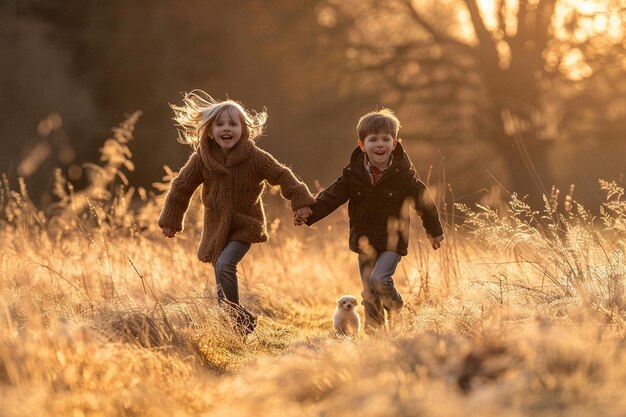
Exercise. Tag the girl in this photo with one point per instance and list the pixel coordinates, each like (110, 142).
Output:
(233, 172)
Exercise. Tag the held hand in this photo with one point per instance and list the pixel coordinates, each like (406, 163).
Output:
(301, 215)
(435, 242)
(299, 218)
(168, 231)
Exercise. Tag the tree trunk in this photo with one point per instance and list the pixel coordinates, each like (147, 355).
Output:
(516, 101)
(516, 97)
(527, 161)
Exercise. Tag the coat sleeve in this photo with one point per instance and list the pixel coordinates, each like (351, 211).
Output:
(425, 206)
(291, 188)
(180, 192)
(329, 200)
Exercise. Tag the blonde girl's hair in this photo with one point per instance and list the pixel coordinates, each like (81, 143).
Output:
(195, 117)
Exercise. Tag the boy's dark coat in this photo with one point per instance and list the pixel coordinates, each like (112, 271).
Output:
(379, 212)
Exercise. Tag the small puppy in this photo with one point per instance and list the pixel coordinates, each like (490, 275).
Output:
(346, 320)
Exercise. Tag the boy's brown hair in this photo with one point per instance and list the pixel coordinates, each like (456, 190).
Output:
(383, 120)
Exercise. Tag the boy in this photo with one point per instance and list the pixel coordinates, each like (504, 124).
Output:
(380, 185)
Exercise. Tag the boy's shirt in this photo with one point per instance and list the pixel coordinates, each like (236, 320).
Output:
(377, 210)
(375, 172)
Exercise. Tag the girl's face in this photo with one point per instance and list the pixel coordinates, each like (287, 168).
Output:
(378, 148)
(226, 129)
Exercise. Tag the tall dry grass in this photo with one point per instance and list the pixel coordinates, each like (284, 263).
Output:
(520, 313)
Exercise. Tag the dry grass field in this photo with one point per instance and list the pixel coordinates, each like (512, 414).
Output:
(520, 313)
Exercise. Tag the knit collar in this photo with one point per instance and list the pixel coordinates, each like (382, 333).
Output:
(240, 153)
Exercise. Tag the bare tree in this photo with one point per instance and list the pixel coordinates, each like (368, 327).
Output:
(521, 74)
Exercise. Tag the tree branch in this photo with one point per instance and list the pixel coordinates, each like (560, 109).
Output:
(437, 35)
(414, 52)
(522, 13)
(420, 20)
(502, 18)
(487, 47)
(545, 10)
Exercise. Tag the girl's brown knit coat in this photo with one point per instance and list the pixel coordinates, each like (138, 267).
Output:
(231, 194)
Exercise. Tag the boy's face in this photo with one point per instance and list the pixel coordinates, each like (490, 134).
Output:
(378, 147)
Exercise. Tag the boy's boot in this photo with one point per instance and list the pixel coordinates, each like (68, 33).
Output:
(374, 316)
(395, 320)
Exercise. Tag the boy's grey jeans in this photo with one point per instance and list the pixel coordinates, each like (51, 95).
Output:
(226, 271)
(379, 292)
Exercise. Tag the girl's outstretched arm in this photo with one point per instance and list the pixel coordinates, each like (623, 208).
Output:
(179, 195)
(291, 187)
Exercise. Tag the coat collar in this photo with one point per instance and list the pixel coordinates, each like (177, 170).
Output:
(240, 153)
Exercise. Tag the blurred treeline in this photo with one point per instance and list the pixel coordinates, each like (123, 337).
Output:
(522, 93)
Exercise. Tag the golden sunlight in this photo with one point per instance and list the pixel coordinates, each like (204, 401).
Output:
(574, 22)
(296, 266)
(593, 17)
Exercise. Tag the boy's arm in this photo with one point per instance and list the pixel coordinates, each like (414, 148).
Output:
(291, 187)
(181, 189)
(329, 200)
(426, 208)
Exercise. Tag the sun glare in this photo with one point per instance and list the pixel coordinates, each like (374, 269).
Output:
(574, 22)
(591, 18)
